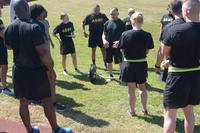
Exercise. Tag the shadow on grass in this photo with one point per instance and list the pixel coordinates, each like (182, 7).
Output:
(151, 88)
(159, 120)
(77, 115)
(103, 69)
(85, 78)
(70, 85)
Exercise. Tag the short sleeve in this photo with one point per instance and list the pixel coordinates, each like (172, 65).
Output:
(123, 27)
(105, 29)
(168, 37)
(73, 27)
(8, 36)
(161, 21)
(150, 43)
(122, 41)
(56, 30)
(1, 25)
(124, 20)
(86, 20)
(105, 18)
(37, 36)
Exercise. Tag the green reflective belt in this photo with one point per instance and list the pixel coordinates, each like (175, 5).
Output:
(138, 60)
(179, 70)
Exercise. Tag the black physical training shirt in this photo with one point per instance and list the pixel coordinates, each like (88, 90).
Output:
(184, 41)
(96, 23)
(64, 30)
(135, 43)
(42, 27)
(166, 19)
(173, 23)
(114, 30)
(127, 23)
(23, 37)
(1, 30)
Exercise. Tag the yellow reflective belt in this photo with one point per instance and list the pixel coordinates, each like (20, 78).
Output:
(137, 60)
(179, 70)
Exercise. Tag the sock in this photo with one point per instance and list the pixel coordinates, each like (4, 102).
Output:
(93, 61)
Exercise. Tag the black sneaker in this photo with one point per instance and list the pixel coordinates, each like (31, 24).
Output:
(59, 107)
(7, 91)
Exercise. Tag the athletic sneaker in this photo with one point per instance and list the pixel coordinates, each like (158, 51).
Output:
(65, 72)
(7, 91)
(59, 107)
(144, 112)
(64, 130)
(110, 78)
(105, 69)
(35, 129)
(77, 70)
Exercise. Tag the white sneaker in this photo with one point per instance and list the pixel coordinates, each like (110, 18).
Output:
(109, 79)
(65, 72)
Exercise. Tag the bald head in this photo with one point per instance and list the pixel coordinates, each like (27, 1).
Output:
(96, 9)
(114, 13)
(21, 8)
(131, 11)
(191, 10)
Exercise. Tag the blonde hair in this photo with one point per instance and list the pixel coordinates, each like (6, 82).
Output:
(137, 17)
(62, 15)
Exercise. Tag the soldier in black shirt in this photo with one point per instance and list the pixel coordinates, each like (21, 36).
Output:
(176, 9)
(96, 22)
(3, 61)
(127, 20)
(33, 72)
(166, 19)
(66, 32)
(113, 30)
(37, 12)
(135, 45)
(182, 46)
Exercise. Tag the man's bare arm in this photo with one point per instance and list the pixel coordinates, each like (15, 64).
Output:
(56, 36)
(45, 57)
(84, 32)
(105, 42)
(165, 51)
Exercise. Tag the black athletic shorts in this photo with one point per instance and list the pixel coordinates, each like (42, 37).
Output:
(134, 72)
(95, 41)
(31, 84)
(182, 89)
(67, 47)
(3, 55)
(113, 52)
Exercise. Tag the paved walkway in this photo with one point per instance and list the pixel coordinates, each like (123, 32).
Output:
(7, 126)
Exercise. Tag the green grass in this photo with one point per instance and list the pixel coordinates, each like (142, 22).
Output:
(99, 108)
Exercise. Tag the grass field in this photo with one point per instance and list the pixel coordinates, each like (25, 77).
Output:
(99, 108)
